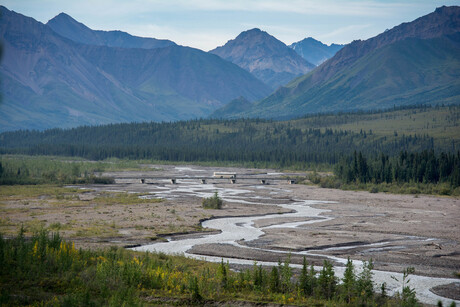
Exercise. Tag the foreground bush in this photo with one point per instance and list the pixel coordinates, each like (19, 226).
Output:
(46, 271)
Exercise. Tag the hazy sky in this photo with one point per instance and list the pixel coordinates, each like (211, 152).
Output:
(206, 24)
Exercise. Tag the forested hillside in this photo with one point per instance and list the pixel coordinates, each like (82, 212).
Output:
(298, 143)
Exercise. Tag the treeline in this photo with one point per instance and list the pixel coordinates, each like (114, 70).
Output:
(337, 118)
(424, 167)
(58, 274)
(263, 143)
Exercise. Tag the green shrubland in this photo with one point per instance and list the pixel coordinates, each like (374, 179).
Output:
(49, 170)
(44, 270)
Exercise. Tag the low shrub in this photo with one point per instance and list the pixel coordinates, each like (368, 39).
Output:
(330, 182)
(374, 189)
(314, 178)
(214, 202)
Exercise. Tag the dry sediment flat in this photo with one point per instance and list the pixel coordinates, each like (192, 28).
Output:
(95, 224)
(422, 231)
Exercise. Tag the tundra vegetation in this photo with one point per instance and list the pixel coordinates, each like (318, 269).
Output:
(47, 271)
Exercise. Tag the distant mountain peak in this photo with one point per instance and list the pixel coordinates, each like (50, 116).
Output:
(63, 18)
(68, 27)
(62, 15)
(443, 9)
(254, 37)
(315, 41)
(252, 31)
(315, 51)
(265, 56)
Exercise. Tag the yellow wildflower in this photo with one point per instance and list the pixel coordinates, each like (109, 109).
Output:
(35, 249)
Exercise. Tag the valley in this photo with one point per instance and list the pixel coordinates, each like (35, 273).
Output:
(188, 165)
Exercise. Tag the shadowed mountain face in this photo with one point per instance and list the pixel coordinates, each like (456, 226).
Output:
(50, 81)
(315, 51)
(238, 105)
(264, 56)
(68, 27)
(413, 63)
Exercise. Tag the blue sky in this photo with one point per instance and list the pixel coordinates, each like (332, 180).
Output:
(206, 24)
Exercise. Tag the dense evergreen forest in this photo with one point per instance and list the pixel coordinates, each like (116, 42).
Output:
(311, 140)
(412, 144)
(424, 167)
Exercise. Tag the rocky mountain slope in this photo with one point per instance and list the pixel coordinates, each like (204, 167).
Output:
(264, 56)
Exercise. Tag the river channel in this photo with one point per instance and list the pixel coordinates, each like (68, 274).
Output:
(234, 230)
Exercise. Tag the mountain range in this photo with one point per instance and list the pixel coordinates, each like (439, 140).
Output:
(64, 74)
(52, 81)
(265, 57)
(413, 63)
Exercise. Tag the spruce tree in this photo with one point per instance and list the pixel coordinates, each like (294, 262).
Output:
(327, 281)
(349, 281)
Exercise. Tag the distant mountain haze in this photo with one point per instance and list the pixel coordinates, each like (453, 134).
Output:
(413, 63)
(51, 81)
(265, 57)
(315, 51)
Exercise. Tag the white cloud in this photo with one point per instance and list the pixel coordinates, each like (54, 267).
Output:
(345, 31)
(308, 7)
